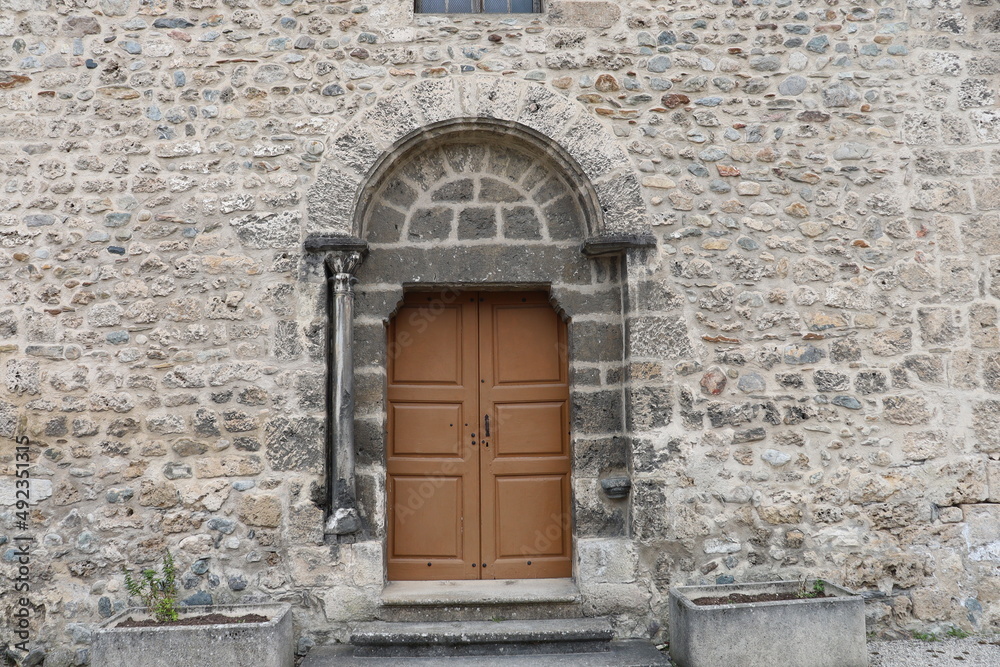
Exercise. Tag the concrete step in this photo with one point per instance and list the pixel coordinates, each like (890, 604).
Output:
(625, 653)
(480, 600)
(480, 638)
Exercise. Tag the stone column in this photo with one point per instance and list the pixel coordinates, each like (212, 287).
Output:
(343, 257)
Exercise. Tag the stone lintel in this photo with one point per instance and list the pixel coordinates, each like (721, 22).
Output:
(613, 244)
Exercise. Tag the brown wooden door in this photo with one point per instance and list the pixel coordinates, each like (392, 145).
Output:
(478, 449)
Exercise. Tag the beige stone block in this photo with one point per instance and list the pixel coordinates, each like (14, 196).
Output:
(584, 13)
(349, 603)
(606, 561)
(930, 604)
(993, 481)
(263, 510)
(983, 532)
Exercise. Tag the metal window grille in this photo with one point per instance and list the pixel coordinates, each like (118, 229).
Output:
(478, 6)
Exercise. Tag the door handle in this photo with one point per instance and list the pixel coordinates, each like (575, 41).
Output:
(487, 418)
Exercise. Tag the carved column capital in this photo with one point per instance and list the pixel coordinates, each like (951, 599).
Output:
(343, 264)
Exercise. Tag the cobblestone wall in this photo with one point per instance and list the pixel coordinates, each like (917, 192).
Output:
(812, 352)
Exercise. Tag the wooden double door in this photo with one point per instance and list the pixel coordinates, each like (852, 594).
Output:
(478, 461)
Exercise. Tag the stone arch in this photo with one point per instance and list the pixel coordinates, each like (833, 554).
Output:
(471, 186)
(522, 111)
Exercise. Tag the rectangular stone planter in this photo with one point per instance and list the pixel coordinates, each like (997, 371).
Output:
(267, 644)
(808, 632)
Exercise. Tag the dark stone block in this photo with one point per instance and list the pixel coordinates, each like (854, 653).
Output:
(369, 440)
(119, 428)
(583, 377)
(538, 264)
(426, 170)
(385, 225)
(649, 516)
(598, 412)
(295, 443)
(830, 381)
(845, 350)
(521, 222)
(871, 382)
(310, 388)
(655, 295)
(564, 219)
(595, 341)
(652, 407)
(237, 421)
(369, 393)
(457, 191)
(492, 190)
(551, 189)
(594, 458)
(376, 303)
(431, 223)
(287, 344)
(598, 517)
(369, 345)
(574, 303)
(749, 435)
(246, 444)
(399, 193)
(648, 456)
(725, 414)
(477, 223)
(790, 380)
(465, 158)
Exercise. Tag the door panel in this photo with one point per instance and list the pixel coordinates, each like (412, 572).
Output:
(527, 429)
(432, 463)
(530, 516)
(419, 525)
(428, 344)
(467, 501)
(423, 429)
(525, 460)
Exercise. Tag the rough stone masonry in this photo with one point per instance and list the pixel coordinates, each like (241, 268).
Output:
(802, 378)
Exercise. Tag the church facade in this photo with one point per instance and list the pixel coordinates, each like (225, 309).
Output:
(624, 295)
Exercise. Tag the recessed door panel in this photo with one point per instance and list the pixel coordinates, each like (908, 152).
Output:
(478, 464)
(427, 344)
(530, 516)
(428, 517)
(426, 429)
(531, 429)
(526, 343)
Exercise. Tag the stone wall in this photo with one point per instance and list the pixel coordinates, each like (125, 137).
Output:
(812, 353)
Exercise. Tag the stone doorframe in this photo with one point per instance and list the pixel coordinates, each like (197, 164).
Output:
(614, 233)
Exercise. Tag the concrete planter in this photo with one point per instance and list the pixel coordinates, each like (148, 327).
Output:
(267, 644)
(811, 632)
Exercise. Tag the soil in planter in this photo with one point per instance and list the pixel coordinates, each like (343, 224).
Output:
(204, 619)
(743, 598)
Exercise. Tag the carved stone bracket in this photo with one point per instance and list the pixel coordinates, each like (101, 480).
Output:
(343, 257)
(615, 244)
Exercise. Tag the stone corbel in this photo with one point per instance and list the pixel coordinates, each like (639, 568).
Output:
(615, 244)
(343, 256)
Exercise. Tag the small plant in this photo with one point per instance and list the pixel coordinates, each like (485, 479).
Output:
(818, 589)
(956, 632)
(158, 593)
(924, 636)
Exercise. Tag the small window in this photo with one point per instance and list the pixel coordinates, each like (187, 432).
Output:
(478, 6)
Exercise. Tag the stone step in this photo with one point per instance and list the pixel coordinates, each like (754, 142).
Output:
(624, 653)
(480, 600)
(480, 638)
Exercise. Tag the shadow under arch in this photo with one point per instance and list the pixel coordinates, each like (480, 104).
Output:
(473, 130)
